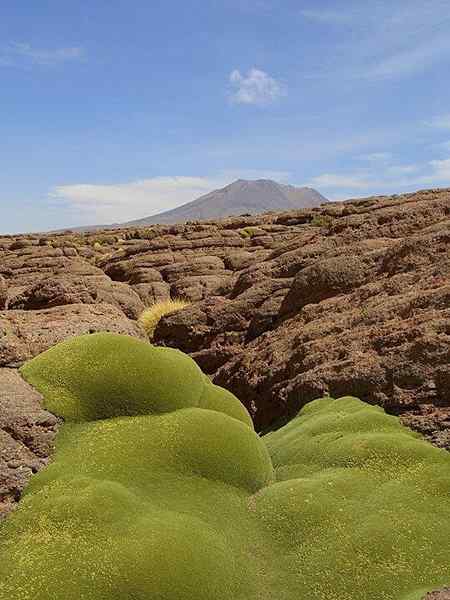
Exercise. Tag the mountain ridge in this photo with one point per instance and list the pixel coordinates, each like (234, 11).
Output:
(241, 196)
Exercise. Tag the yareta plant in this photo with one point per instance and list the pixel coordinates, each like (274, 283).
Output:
(160, 489)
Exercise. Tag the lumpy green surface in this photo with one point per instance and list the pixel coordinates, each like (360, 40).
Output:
(161, 490)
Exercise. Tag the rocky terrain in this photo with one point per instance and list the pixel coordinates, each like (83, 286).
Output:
(349, 298)
(439, 595)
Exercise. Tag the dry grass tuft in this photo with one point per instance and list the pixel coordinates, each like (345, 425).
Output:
(150, 318)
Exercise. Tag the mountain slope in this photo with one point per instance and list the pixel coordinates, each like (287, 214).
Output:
(239, 197)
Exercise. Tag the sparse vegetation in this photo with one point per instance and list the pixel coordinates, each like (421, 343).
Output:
(148, 234)
(249, 232)
(103, 240)
(324, 221)
(133, 234)
(152, 315)
(365, 315)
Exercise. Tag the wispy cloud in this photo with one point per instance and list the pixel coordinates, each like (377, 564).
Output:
(410, 60)
(388, 40)
(17, 54)
(384, 178)
(257, 87)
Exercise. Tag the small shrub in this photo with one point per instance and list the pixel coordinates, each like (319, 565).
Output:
(324, 221)
(150, 318)
(365, 315)
(102, 240)
(249, 232)
(148, 234)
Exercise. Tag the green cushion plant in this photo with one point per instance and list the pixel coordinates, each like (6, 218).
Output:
(160, 489)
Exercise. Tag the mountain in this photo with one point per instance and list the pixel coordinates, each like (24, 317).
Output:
(240, 197)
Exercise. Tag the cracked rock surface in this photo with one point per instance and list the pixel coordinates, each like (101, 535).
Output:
(27, 432)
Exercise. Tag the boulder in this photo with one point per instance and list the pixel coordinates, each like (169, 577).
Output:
(27, 433)
(24, 334)
(203, 265)
(62, 290)
(324, 279)
(198, 287)
(150, 293)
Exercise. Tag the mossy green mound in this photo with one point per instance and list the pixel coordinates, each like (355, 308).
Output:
(161, 490)
(362, 504)
(107, 375)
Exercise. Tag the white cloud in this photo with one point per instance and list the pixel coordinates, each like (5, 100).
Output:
(110, 203)
(257, 87)
(113, 203)
(19, 53)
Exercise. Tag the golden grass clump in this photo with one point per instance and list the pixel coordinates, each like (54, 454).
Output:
(150, 318)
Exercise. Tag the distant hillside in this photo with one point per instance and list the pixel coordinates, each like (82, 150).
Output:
(240, 197)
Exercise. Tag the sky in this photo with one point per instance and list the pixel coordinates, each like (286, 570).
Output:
(113, 110)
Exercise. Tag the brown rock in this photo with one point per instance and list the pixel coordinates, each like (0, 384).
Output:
(139, 274)
(238, 260)
(24, 334)
(27, 433)
(203, 265)
(150, 293)
(443, 594)
(59, 291)
(324, 279)
(198, 287)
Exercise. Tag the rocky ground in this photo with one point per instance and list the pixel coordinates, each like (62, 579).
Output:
(351, 298)
(439, 595)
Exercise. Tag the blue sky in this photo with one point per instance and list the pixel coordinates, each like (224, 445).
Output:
(113, 110)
